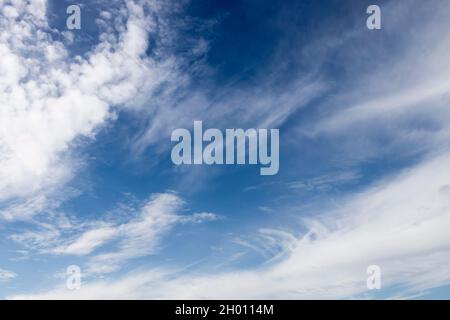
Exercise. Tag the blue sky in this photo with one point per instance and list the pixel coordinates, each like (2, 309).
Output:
(86, 176)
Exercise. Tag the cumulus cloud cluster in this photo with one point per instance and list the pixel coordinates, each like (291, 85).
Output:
(50, 98)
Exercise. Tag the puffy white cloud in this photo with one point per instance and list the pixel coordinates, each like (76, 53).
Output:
(49, 99)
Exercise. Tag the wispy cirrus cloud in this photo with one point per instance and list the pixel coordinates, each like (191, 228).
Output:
(394, 98)
(400, 224)
(7, 275)
(135, 236)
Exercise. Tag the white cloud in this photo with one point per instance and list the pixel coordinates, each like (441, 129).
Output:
(233, 107)
(49, 99)
(136, 236)
(42, 111)
(141, 235)
(399, 93)
(401, 224)
(200, 217)
(6, 275)
(326, 182)
(88, 241)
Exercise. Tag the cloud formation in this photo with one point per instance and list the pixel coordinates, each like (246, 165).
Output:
(400, 225)
(51, 99)
(137, 235)
(6, 275)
